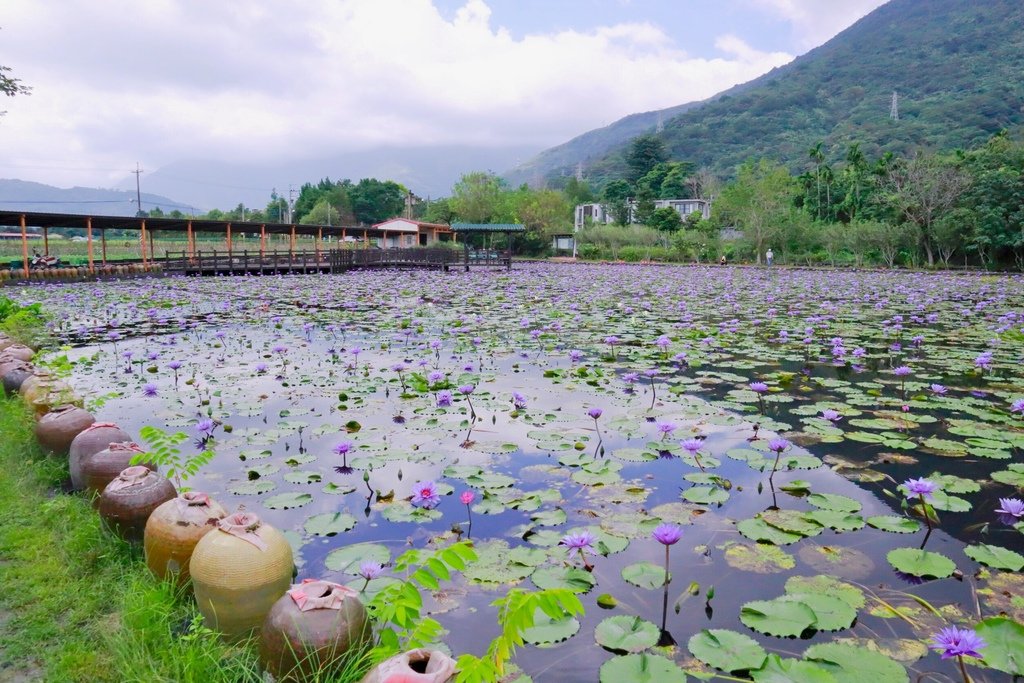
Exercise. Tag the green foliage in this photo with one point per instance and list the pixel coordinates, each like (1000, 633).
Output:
(164, 452)
(644, 154)
(23, 323)
(396, 608)
(518, 611)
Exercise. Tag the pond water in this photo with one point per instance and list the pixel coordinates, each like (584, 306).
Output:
(293, 367)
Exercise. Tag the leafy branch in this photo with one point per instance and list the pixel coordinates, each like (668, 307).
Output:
(162, 449)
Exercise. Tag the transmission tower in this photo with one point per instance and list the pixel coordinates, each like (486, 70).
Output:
(660, 128)
(579, 171)
(894, 109)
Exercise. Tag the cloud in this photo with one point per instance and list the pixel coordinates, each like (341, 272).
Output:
(816, 21)
(121, 81)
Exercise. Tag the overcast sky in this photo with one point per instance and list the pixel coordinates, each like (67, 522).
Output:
(155, 81)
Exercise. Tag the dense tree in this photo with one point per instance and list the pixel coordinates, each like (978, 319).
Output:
(645, 152)
(374, 201)
(759, 202)
(665, 219)
(615, 199)
(479, 198)
(11, 86)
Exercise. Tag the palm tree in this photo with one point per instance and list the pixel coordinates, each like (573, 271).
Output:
(817, 156)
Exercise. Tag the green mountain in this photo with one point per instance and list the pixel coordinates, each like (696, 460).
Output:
(956, 66)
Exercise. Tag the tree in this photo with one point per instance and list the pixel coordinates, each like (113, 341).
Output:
(921, 190)
(11, 86)
(645, 152)
(374, 201)
(478, 198)
(277, 209)
(759, 202)
(577, 191)
(615, 199)
(439, 211)
(817, 158)
(665, 219)
(888, 239)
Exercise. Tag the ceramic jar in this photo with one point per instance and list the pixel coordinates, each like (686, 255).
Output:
(238, 572)
(127, 502)
(96, 437)
(311, 628)
(14, 373)
(58, 428)
(414, 666)
(101, 468)
(174, 529)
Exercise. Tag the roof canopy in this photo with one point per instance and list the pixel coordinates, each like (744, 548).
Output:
(488, 227)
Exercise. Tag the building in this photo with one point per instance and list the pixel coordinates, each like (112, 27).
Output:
(597, 213)
(406, 232)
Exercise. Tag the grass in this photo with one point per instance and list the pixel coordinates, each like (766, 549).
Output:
(76, 604)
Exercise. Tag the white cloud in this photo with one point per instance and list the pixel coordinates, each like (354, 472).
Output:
(816, 21)
(120, 81)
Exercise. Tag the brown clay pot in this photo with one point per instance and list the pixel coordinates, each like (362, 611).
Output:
(58, 428)
(414, 666)
(174, 529)
(127, 502)
(6, 341)
(93, 439)
(14, 373)
(41, 384)
(18, 352)
(238, 572)
(310, 628)
(102, 467)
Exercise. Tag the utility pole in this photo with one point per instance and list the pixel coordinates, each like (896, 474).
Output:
(138, 190)
(894, 109)
(291, 202)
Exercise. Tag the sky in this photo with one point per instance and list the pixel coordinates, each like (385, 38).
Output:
(158, 81)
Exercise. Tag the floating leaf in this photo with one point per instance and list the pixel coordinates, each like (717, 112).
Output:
(641, 668)
(832, 501)
(779, 670)
(547, 630)
(897, 525)
(758, 530)
(921, 563)
(288, 501)
(1005, 639)
(758, 557)
(850, 664)
(626, 634)
(826, 585)
(831, 613)
(783, 618)
(726, 650)
(329, 524)
(645, 575)
(571, 578)
(994, 556)
(348, 559)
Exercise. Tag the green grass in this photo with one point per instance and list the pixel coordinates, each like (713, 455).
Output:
(77, 604)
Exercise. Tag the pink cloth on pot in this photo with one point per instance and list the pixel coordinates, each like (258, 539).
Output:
(317, 594)
(191, 499)
(130, 476)
(243, 525)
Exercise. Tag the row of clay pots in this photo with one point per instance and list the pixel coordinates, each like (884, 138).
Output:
(78, 272)
(240, 568)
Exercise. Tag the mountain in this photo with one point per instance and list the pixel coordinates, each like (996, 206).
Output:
(426, 171)
(23, 195)
(591, 145)
(955, 66)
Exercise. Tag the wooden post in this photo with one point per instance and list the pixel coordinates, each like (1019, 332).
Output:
(229, 240)
(319, 236)
(263, 240)
(142, 239)
(465, 252)
(366, 241)
(291, 246)
(152, 249)
(103, 244)
(24, 245)
(46, 241)
(88, 242)
(190, 241)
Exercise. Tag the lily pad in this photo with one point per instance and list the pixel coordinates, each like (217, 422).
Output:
(1005, 639)
(994, 556)
(923, 563)
(329, 524)
(641, 668)
(894, 524)
(626, 634)
(348, 559)
(727, 650)
(850, 664)
(645, 575)
(782, 618)
(288, 501)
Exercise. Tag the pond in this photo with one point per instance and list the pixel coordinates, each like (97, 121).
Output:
(608, 399)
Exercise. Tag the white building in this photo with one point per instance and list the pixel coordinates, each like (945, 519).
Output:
(597, 213)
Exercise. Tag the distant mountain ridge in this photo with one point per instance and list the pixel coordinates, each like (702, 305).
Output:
(24, 195)
(955, 65)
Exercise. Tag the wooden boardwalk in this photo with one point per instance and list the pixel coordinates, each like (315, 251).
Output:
(326, 261)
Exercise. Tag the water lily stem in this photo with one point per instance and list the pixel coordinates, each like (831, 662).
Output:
(924, 511)
(963, 669)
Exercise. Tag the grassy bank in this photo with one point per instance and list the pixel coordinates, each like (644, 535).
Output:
(76, 604)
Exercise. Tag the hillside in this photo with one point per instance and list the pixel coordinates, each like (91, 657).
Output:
(956, 65)
(28, 196)
(591, 145)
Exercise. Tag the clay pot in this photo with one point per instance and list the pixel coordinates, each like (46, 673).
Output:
(174, 529)
(48, 402)
(310, 628)
(14, 373)
(127, 502)
(93, 439)
(41, 384)
(238, 572)
(102, 467)
(414, 666)
(18, 352)
(58, 428)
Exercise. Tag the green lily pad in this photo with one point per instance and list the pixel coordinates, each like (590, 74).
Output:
(894, 524)
(758, 530)
(727, 650)
(288, 501)
(923, 563)
(571, 578)
(706, 495)
(626, 634)
(759, 558)
(782, 618)
(779, 670)
(834, 502)
(329, 524)
(641, 668)
(1005, 649)
(348, 559)
(645, 575)
(834, 519)
(252, 488)
(850, 664)
(826, 585)
(547, 630)
(994, 556)
(831, 613)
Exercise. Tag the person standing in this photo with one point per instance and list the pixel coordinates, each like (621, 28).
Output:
(769, 256)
